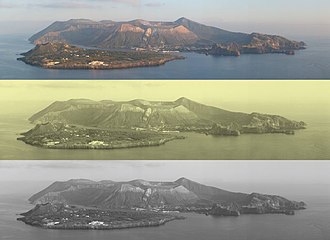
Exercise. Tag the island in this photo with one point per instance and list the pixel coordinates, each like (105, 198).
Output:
(63, 216)
(88, 124)
(64, 56)
(63, 136)
(106, 204)
(87, 44)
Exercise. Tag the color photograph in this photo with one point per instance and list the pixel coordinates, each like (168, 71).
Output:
(155, 39)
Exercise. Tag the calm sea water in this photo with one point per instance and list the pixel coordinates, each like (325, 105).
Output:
(312, 63)
(310, 224)
(311, 143)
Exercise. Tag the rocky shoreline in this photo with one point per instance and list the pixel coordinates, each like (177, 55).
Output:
(64, 56)
(109, 146)
(62, 216)
(61, 136)
(112, 226)
(107, 204)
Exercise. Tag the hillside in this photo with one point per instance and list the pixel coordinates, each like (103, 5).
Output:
(63, 56)
(87, 124)
(182, 114)
(182, 194)
(182, 34)
(105, 205)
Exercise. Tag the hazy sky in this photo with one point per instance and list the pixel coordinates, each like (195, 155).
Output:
(283, 16)
(246, 176)
(303, 172)
(287, 98)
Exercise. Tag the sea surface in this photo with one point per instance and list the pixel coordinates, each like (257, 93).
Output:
(312, 63)
(310, 143)
(310, 224)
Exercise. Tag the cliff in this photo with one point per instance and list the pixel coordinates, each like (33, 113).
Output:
(182, 114)
(87, 124)
(182, 34)
(182, 194)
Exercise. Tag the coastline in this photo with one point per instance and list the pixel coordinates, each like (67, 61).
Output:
(114, 226)
(62, 216)
(64, 56)
(109, 146)
(152, 63)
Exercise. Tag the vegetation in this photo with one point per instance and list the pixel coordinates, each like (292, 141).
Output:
(58, 135)
(64, 56)
(62, 216)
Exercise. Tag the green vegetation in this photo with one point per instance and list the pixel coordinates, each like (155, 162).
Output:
(64, 56)
(180, 35)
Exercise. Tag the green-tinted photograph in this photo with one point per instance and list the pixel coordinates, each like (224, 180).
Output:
(165, 119)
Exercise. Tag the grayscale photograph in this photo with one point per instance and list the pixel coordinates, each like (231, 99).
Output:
(260, 200)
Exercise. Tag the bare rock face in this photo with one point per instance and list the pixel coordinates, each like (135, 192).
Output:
(87, 124)
(225, 50)
(181, 114)
(180, 34)
(182, 194)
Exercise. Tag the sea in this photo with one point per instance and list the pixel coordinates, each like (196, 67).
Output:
(311, 143)
(310, 224)
(312, 63)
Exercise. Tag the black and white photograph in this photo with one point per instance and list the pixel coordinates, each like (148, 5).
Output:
(261, 200)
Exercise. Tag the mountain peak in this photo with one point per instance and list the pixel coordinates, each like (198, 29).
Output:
(183, 99)
(182, 180)
(80, 181)
(183, 19)
(144, 194)
(80, 20)
(169, 34)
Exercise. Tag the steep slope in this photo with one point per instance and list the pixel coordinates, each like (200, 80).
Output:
(211, 193)
(207, 34)
(137, 193)
(180, 34)
(179, 194)
(180, 114)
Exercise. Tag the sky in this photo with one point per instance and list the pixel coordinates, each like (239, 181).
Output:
(204, 171)
(292, 17)
(293, 99)
(244, 176)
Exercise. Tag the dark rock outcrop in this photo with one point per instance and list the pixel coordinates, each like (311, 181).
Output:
(230, 210)
(225, 50)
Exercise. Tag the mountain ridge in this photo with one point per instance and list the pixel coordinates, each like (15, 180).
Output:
(182, 34)
(107, 124)
(179, 114)
(180, 194)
